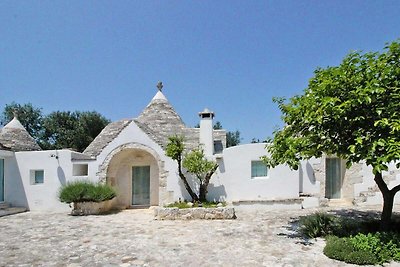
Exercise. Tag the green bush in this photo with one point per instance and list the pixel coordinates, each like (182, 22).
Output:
(317, 224)
(373, 248)
(85, 191)
(385, 246)
(342, 249)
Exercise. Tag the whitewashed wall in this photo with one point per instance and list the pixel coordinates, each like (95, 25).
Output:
(233, 182)
(20, 191)
(308, 183)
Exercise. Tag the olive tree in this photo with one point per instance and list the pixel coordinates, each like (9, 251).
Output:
(195, 163)
(351, 111)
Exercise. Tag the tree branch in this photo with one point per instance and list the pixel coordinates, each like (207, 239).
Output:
(381, 183)
(395, 189)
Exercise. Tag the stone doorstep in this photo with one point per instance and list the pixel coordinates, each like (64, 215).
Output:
(11, 211)
(340, 202)
(4, 205)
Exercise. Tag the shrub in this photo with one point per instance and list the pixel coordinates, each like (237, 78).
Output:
(317, 224)
(385, 246)
(85, 191)
(376, 248)
(343, 249)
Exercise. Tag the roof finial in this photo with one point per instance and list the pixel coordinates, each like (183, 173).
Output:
(160, 86)
(15, 113)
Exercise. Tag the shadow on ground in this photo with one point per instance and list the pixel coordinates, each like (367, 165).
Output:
(354, 221)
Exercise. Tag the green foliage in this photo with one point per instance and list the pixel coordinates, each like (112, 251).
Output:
(342, 249)
(217, 126)
(233, 138)
(76, 130)
(60, 129)
(351, 110)
(317, 224)
(196, 163)
(321, 224)
(84, 191)
(376, 248)
(29, 116)
(175, 147)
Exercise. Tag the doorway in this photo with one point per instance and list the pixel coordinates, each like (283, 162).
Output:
(141, 186)
(333, 172)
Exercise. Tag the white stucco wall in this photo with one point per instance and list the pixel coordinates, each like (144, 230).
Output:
(233, 181)
(20, 191)
(307, 180)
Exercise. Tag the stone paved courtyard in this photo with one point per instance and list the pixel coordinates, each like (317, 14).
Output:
(134, 238)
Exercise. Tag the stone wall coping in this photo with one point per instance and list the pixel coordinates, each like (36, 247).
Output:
(197, 213)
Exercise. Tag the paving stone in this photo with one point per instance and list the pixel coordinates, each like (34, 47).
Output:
(134, 238)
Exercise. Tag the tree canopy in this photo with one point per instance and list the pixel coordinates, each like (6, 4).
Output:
(30, 117)
(352, 111)
(76, 130)
(59, 129)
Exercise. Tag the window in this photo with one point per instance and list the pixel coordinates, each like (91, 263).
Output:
(80, 170)
(37, 176)
(258, 169)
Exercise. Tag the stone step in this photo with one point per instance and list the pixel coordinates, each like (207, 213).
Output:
(11, 210)
(4, 205)
(340, 202)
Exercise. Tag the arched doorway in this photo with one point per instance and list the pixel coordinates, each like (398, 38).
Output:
(135, 171)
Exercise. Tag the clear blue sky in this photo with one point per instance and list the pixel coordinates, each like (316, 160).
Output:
(229, 56)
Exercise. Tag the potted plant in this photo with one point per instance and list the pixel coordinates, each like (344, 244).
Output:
(87, 197)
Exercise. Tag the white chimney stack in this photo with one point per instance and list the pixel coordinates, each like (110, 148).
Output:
(206, 132)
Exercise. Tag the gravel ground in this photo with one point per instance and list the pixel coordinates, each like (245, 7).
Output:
(134, 238)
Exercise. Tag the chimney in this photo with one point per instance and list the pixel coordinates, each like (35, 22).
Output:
(206, 132)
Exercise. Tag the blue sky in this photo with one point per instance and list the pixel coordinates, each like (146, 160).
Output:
(229, 56)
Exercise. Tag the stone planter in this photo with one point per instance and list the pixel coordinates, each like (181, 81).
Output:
(91, 208)
(222, 213)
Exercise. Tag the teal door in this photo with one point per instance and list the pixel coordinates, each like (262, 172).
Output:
(333, 178)
(141, 185)
(1, 180)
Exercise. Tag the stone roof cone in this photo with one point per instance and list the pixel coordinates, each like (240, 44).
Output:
(15, 137)
(159, 119)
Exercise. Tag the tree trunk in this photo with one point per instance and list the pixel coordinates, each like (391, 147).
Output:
(194, 197)
(203, 192)
(386, 217)
(204, 186)
(388, 199)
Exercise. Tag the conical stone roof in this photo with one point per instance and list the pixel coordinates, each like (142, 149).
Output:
(108, 134)
(159, 120)
(16, 138)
